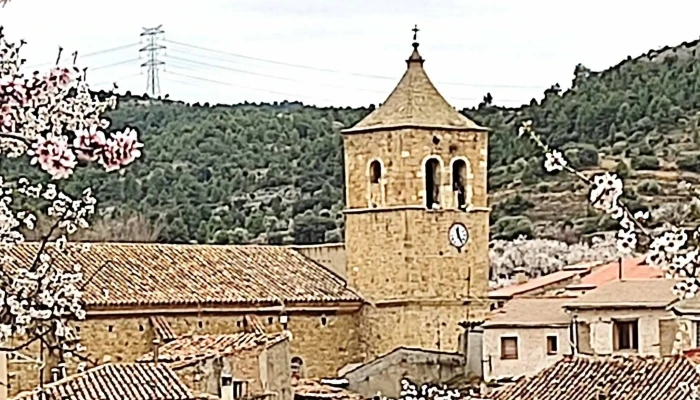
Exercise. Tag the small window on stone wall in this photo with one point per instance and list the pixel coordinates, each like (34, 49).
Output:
(552, 345)
(459, 182)
(297, 366)
(509, 348)
(432, 183)
(375, 171)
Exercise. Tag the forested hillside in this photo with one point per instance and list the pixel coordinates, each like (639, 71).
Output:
(274, 173)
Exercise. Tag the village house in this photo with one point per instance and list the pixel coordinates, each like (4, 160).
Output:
(526, 336)
(622, 317)
(415, 251)
(608, 377)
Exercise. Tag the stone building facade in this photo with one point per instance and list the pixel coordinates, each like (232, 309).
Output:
(415, 172)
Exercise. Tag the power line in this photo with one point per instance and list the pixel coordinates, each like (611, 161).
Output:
(153, 63)
(126, 46)
(116, 81)
(242, 87)
(114, 64)
(242, 71)
(341, 72)
(191, 68)
(92, 54)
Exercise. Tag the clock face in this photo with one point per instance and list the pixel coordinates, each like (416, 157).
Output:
(458, 235)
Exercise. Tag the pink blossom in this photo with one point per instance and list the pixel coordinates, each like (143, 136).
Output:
(54, 156)
(121, 149)
(87, 141)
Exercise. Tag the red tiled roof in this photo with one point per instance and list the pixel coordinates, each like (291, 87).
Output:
(163, 329)
(185, 351)
(629, 293)
(633, 268)
(530, 312)
(310, 389)
(534, 284)
(591, 274)
(117, 381)
(196, 275)
(619, 378)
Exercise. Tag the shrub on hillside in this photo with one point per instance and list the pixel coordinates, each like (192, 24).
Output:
(509, 228)
(622, 170)
(649, 187)
(619, 148)
(587, 156)
(689, 163)
(645, 163)
(620, 137)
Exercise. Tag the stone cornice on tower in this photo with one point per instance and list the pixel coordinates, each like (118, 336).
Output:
(415, 103)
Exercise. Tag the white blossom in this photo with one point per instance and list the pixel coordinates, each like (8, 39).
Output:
(54, 119)
(554, 161)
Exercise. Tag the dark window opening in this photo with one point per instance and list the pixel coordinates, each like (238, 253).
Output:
(297, 364)
(552, 345)
(432, 184)
(199, 323)
(436, 140)
(626, 335)
(459, 182)
(270, 320)
(324, 321)
(375, 172)
(509, 348)
(110, 328)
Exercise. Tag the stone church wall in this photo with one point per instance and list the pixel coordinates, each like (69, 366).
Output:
(323, 348)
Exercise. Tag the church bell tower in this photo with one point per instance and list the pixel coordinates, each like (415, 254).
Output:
(417, 221)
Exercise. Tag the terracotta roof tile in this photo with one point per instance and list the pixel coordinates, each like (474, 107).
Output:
(592, 275)
(415, 102)
(163, 329)
(619, 378)
(530, 312)
(533, 284)
(634, 268)
(117, 381)
(655, 293)
(189, 350)
(310, 389)
(164, 274)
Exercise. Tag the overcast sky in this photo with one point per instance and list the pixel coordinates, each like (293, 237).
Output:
(511, 48)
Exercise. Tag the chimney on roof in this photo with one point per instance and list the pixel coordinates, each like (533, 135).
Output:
(619, 263)
(226, 386)
(156, 346)
(520, 275)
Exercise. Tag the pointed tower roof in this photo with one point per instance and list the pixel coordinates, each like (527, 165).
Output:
(415, 103)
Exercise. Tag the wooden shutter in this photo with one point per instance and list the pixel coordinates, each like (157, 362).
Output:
(583, 330)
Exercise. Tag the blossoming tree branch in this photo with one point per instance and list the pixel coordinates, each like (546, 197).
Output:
(671, 248)
(55, 122)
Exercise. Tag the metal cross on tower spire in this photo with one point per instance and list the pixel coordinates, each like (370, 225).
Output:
(415, 32)
(153, 63)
